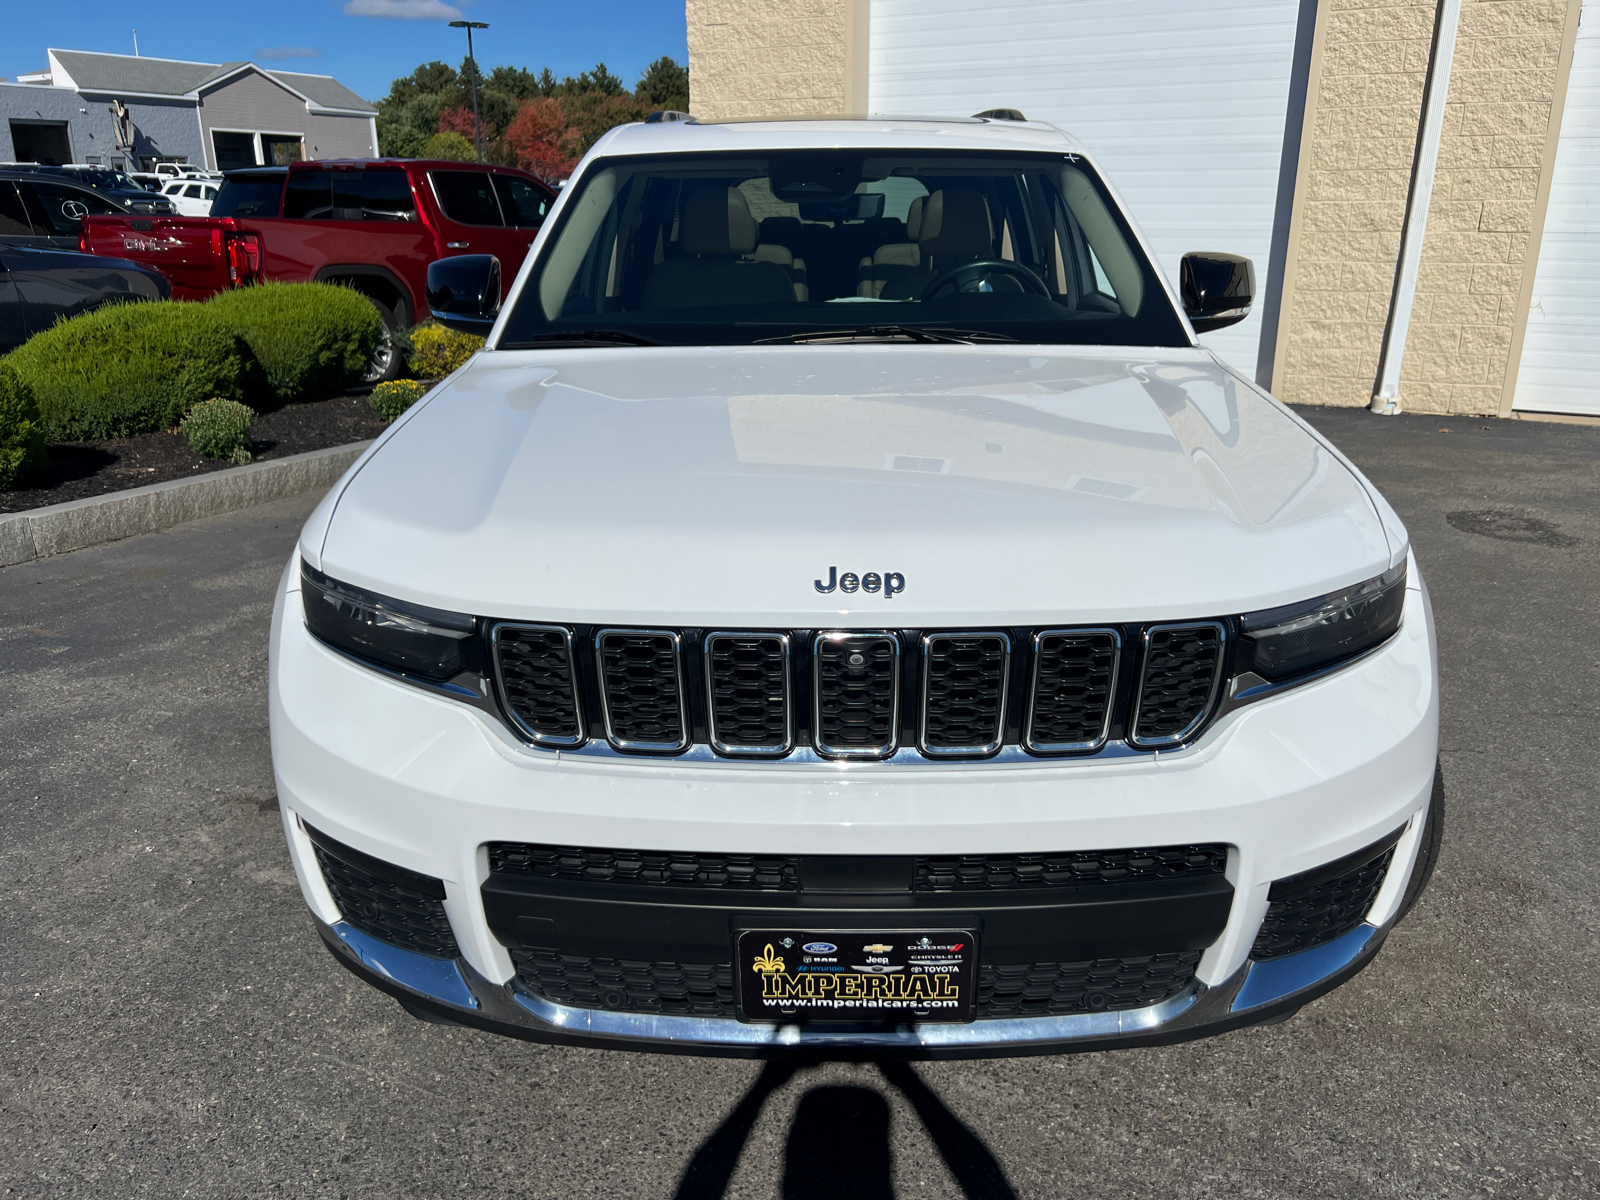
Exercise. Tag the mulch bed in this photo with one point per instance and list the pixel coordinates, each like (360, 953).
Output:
(77, 470)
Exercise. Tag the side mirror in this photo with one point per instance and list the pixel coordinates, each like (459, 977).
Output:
(464, 292)
(1217, 290)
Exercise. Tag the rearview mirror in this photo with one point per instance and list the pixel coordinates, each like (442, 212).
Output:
(464, 292)
(1217, 290)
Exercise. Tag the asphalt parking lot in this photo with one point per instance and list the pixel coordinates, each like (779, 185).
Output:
(172, 1026)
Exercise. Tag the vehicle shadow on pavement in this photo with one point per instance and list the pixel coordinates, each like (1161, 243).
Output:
(842, 1132)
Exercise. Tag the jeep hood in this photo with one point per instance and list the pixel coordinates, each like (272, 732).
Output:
(708, 486)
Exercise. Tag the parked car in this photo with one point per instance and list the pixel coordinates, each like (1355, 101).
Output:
(170, 170)
(40, 286)
(372, 224)
(116, 185)
(49, 210)
(191, 197)
(931, 650)
(148, 180)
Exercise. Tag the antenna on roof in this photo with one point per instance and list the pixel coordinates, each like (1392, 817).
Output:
(1000, 114)
(136, 43)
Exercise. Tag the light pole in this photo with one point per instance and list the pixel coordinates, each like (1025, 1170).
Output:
(477, 130)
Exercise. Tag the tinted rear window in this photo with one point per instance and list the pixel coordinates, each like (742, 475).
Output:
(310, 194)
(376, 194)
(249, 197)
(466, 197)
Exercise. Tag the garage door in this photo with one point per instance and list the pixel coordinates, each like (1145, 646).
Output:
(1561, 352)
(1183, 104)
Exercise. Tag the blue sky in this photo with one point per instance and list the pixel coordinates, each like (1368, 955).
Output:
(339, 38)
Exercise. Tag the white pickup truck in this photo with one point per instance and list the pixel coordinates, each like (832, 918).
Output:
(843, 608)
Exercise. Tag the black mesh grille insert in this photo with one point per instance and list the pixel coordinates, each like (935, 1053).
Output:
(749, 689)
(734, 872)
(1103, 985)
(857, 687)
(536, 676)
(1069, 869)
(408, 917)
(1320, 914)
(644, 697)
(674, 989)
(964, 694)
(1074, 677)
(1180, 671)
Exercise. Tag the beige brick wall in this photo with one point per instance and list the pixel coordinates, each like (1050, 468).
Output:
(1362, 120)
(755, 58)
(1492, 155)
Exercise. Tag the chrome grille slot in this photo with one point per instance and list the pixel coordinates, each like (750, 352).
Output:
(856, 694)
(964, 680)
(641, 685)
(1074, 683)
(538, 682)
(1178, 679)
(749, 705)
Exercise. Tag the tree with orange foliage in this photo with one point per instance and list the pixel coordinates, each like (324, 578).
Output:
(543, 140)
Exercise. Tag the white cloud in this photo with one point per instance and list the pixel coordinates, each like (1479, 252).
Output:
(279, 53)
(403, 10)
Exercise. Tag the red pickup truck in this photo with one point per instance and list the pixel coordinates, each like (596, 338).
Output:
(374, 224)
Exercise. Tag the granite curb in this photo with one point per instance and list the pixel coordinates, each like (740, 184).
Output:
(41, 532)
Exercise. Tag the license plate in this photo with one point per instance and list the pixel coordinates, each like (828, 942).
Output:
(800, 975)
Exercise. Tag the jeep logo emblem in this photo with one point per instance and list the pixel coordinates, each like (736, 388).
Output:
(889, 583)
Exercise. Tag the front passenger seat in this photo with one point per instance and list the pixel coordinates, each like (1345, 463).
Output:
(716, 235)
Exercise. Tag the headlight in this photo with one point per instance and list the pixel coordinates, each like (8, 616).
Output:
(1317, 633)
(390, 633)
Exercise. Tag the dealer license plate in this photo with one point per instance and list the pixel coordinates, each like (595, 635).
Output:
(795, 975)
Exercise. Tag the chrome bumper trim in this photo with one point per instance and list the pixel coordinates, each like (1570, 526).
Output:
(1278, 978)
(436, 978)
(1254, 986)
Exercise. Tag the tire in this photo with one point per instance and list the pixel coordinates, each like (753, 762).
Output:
(1428, 851)
(387, 362)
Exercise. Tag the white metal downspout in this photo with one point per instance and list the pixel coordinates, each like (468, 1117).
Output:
(1386, 400)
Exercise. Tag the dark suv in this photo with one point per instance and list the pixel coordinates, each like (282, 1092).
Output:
(45, 208)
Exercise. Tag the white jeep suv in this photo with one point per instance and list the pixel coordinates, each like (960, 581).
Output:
(843, 609)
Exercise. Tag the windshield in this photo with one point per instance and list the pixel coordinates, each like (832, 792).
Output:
(709, 249)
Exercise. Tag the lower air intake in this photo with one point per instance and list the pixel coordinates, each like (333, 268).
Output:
(387, 902)
(1301, 918)
(1103, 985)
(620, 985)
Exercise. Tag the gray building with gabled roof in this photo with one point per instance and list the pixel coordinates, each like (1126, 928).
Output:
(131, 112)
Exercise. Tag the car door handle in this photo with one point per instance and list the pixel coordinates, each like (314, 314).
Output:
(457, 245)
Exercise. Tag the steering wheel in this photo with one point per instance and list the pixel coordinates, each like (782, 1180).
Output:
(972, 272)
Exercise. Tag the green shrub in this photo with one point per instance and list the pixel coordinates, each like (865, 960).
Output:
(391, 399)
(307, 337)
(21, 433)
(437, 351)
(129, 368)
(220, 429)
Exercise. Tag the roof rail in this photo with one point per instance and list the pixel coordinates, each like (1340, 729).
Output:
(1001, 114)
(662, 115)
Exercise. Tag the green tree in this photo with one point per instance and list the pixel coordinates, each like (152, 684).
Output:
(664, 84)
(449, 146)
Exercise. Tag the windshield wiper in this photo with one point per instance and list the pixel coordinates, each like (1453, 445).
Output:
(885, 333)
(580, 337)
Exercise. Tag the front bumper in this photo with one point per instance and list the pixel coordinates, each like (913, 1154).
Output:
(454, 993)
(1288, 784)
